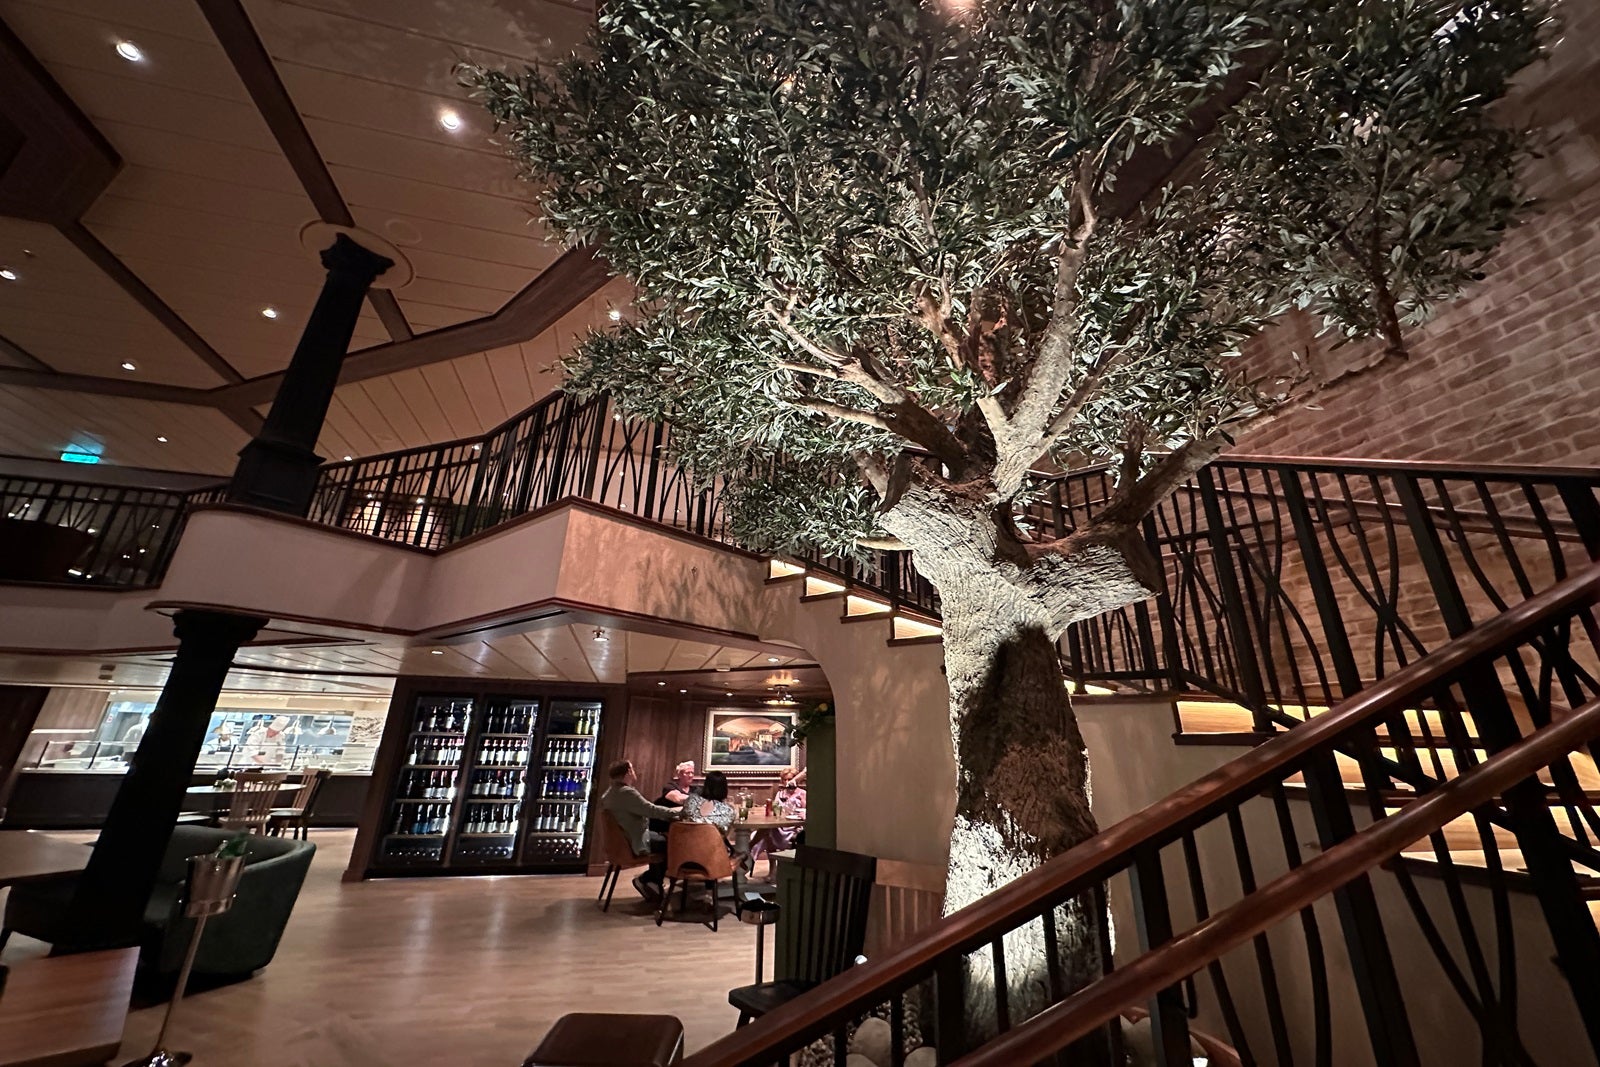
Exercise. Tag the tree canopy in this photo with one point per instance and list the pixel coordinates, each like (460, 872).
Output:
(945, 243)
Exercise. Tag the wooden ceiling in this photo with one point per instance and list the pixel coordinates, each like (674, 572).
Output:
(242, 121)
(569, 652)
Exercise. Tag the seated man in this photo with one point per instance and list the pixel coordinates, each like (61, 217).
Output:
(633, 813)
(676, 792)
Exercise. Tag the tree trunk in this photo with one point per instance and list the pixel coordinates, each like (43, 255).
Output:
(1022, 796)
(1022, 789)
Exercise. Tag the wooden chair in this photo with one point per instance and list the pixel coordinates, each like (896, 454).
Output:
(250, 807)
(696, 852)
(298, 813)
(825, 895)
(619, 854)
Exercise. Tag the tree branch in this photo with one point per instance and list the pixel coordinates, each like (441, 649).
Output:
(1047, 373)
(842, 412)
(1133, 502)
(1084, 393)
(883, 544)
(781, 317)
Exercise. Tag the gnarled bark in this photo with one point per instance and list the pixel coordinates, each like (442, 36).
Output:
(1023, 784)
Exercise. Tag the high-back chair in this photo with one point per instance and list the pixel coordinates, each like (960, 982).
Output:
(298, 812)
(696, 852)
(825, 895)
(250, 807)
(619, 854)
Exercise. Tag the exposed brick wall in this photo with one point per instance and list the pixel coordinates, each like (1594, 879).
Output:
(1510, 372)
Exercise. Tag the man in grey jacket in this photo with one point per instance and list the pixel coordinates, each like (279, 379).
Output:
(633, 813)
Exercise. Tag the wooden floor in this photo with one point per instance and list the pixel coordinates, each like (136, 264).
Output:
(449, 971)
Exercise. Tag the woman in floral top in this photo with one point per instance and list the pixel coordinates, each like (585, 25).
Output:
(712, 804)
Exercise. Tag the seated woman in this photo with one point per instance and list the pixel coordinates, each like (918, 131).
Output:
(788, 799)
(712, 803)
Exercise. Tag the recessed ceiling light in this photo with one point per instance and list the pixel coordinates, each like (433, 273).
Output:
(130, 51)
(421, 500)
(724, 670)
(347, 459)
(437, 652)
(772, 659)
(8, 274)
(269, 312)
(683, 690)
(450, 119)
(661, 683)
(128, 365)
(615, 314)
(163, 440)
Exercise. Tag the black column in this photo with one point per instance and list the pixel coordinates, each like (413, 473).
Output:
(278, 470)
(109, 903)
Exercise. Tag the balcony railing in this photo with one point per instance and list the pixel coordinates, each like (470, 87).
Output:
(1288, 581)
(80, 533)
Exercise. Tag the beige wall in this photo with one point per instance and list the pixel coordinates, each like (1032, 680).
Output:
(896, 771)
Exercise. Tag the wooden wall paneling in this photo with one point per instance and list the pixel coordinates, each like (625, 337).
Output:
(647, 737)
(907, 898)
(19, 711)
(386, 766)
(67, 709)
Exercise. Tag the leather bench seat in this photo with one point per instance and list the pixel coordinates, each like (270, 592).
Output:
(599, 1040)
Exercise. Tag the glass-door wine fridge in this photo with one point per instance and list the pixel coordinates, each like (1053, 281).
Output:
(559, 818)
(496, 783)
(422, 811)
(491, 783)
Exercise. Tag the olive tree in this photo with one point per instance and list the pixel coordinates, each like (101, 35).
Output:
(895, 257)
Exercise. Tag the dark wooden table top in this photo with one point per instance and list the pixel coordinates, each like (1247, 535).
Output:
(31, 857)
(66, 1011)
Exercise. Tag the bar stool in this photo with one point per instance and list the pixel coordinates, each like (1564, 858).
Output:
(597, 1040)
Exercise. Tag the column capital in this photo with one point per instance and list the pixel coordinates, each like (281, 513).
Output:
(215, 629)
(348, 258)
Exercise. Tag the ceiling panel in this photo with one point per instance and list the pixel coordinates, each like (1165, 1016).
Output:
(66, 312)
(562, 648)
(519, 28)
(206, 211)
(373, 111)
(461, 397)
(44, 422)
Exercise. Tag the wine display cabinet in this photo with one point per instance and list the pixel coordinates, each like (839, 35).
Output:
(484, 782)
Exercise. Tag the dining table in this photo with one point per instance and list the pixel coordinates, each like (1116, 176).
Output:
(216, 796)
(744, 828)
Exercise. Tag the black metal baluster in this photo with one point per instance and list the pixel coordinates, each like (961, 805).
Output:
(1376, 982)
(1263, 949)
(1152, 919)
(1572, 928)
(1002, 988)
(1219, 980)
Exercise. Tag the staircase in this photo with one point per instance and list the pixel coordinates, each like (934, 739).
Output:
(1228, 900)
(1381, 643)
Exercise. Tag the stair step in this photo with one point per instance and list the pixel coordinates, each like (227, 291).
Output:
(857, 608)
(780, 570)
(909, 628)
(818, 588)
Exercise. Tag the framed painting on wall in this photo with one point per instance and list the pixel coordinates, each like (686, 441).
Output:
(749, 741)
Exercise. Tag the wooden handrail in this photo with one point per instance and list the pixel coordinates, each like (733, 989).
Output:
(1423, 467)
(1090, 863)
(1085, 1011)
